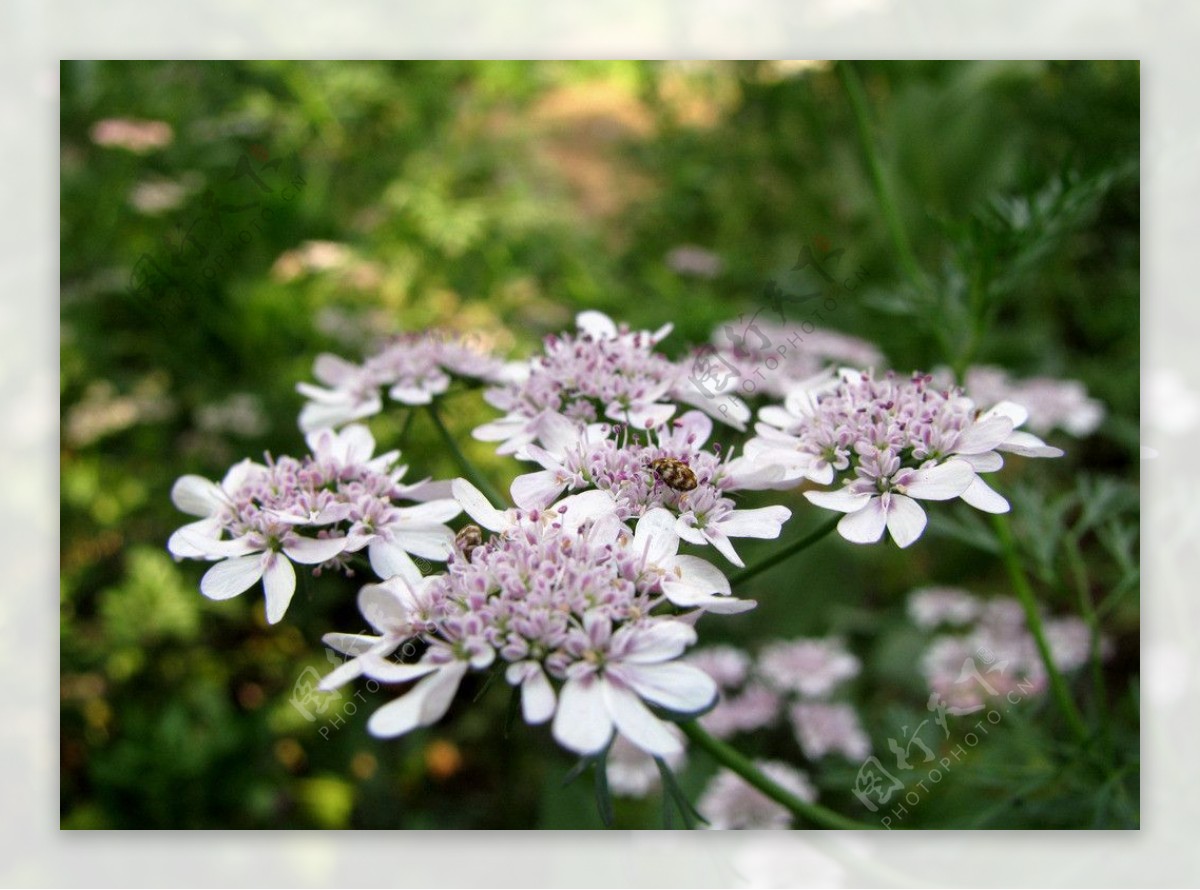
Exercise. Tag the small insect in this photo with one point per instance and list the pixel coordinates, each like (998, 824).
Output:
(468, 538)
(674, 473)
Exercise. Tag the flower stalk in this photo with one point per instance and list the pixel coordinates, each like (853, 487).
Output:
(729, 757)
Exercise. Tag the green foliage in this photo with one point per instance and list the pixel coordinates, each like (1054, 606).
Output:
(503, 197)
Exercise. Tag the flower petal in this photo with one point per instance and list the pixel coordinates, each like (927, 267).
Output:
(279, 581)
(984, 435)
(313, 551)
(581, 723)
(350, 644)
(654, 538)
(866, 525)
(1029, 445)
(389, 560)
(941, 483)
(682, 688)
(427, 541)
(765, 522)
(197, 496)
(983, 497)
(232, 576)
(535, 491)
(843, 500)
(905, 519)
(658, 642)
(477, 506)
(636, 723)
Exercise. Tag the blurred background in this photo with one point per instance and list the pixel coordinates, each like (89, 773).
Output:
(307, 207)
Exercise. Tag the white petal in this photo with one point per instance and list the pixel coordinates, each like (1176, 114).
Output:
(386, 606)
(636, 723)
(535, 491)
(440, 690)
(427, 541)
(658, 642)
(385, 671)
(654, 538)
(724, 546)
(905, 519)
(843, 500)
(279, 580)
(941, 483)
(599, 325)
(983, 497)
(1028, 445)
(696, 574)
(197, 496)
(865, 526)
(585, 506)
(676, 686)
(350, 644)
(411, 395)
(240, 473)
(341, 675)
(232, 576)
(765, 522)
(356, 444)
(558, 433)
(432, 511)
(193, 540)
(332, 369)
(1014, 412)
(537, 699)
(389, 560)
(537, 695)
(984, 435)
(477, 506)
(581, 723)
(721, 605)
(693, 423)
(313, 551)
(644, 416)
(987, 462)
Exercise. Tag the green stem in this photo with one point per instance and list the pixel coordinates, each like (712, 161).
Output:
(734, 760)
(891, 217)
(786, 553)
(1033, 619)
(477, 479)
(1087, 610)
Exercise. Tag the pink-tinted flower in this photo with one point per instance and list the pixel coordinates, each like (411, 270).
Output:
(729, 802)
(824, 728)
(810, 667)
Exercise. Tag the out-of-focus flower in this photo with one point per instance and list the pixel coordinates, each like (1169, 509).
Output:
(632, 772)
(810, 667)
(138, 136)
(1052, 404)
(777, 358)
(930, 606)
(729, 802)
(996, 654)
(414, 368)
(688, 259)
(240, 413)
(824, 728)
